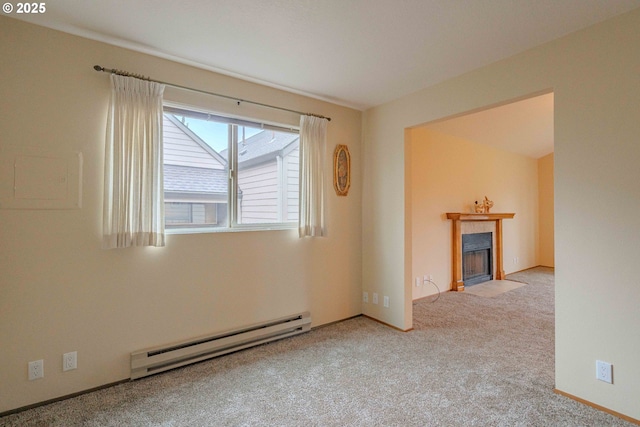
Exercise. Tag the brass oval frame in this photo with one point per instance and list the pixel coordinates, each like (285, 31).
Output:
(341, 170)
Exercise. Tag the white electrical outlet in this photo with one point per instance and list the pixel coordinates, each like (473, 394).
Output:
(604, 371)
(365, 296)
(36, 369)
(417, 281)
(386, 301)
(70, 361)
(375, 298)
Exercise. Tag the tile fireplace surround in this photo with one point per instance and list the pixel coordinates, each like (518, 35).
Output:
(475, 223)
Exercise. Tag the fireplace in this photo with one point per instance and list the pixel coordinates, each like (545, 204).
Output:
(476, 223)
(477, 262)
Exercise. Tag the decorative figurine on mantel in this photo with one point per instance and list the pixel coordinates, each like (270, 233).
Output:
(484, 206)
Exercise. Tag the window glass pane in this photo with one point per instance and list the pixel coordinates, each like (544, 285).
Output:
(268, 166)
(193, 214)
(195, 173)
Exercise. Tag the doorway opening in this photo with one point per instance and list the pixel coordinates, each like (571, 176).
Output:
(504, 152)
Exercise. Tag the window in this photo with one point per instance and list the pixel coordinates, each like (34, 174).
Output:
(191, 214)
(224, 173)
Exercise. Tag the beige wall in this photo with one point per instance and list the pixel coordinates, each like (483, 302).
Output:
(60, 292)
(546, 253)
(594, 76)
(448, 175)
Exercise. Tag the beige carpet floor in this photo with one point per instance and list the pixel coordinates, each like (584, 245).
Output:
(469, 361)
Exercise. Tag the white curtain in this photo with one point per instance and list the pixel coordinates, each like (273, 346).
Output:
(133, 187)
(313, 131)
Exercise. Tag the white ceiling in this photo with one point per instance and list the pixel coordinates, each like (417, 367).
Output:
(524, 127)
(358, 53)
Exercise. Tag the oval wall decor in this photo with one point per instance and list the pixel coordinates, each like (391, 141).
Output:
(341, 170)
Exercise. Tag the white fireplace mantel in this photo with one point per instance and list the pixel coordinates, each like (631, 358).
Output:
(457, 218)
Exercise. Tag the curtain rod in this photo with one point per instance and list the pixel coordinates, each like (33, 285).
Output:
(238, 100)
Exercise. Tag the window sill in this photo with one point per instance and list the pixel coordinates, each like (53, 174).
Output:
(235, 229)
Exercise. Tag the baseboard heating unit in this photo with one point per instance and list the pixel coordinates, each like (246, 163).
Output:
(159, 359)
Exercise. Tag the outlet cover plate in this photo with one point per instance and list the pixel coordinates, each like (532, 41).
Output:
(604, 371)
(70, 361)
(36, 369)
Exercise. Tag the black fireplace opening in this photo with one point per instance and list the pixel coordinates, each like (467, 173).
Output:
(477, 258)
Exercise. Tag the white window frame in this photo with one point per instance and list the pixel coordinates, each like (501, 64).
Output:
(232, 169)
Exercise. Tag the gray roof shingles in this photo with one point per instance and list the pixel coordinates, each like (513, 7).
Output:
(185, 179)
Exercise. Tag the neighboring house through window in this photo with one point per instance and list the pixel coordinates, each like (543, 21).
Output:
(205, 155)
